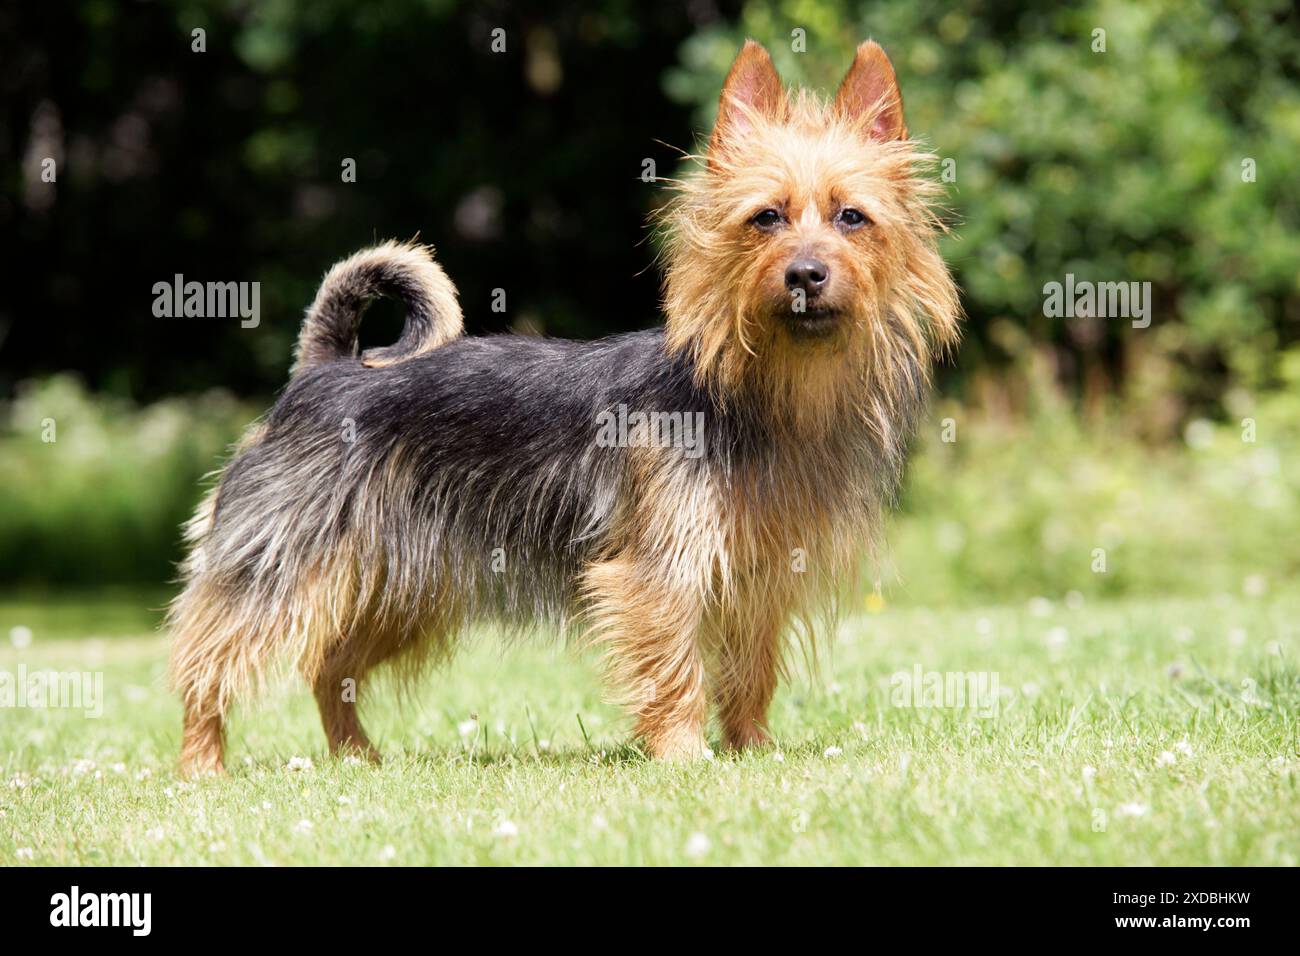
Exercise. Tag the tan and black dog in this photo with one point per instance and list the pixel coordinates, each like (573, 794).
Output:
(390, 499)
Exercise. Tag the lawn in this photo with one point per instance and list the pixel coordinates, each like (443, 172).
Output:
(1135, 732)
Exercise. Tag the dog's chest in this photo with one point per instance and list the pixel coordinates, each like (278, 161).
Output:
(790, 519)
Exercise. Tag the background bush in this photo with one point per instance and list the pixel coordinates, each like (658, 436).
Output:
(103, 502)
(1012, 510)
(1015, 509)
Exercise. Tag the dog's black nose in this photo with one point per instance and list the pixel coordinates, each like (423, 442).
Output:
(807, 274)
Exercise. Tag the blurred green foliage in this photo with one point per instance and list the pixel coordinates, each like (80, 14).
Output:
(1010, 510)
(1046, 506)
(95, 489)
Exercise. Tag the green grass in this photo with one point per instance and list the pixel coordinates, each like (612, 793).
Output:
(1211, 684)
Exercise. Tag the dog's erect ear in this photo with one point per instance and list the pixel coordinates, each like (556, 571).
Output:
(752, 89)
(870, 89)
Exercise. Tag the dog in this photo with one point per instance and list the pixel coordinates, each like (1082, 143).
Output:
(391, 498)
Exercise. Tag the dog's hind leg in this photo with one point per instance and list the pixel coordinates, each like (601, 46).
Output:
(346, 668)
(222, 643)
(203, 739)
(336, 687)
(204, 668)
(407, 634)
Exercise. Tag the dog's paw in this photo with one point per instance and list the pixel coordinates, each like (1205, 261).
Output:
(681, 748)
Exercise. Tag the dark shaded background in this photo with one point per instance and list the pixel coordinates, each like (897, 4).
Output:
(522, 167)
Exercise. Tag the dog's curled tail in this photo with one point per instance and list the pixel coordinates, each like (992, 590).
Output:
(405, 271)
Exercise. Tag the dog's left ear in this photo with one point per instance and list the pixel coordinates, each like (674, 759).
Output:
(870, 91)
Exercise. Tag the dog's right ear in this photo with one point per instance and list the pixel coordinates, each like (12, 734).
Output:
(752, 91)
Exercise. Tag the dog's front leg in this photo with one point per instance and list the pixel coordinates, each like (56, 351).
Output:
(747, 666)
(650, 630)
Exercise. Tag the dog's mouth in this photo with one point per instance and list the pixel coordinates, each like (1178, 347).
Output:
(815, 322)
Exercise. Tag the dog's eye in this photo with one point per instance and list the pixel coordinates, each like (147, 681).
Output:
(767, 219)
(851, 218)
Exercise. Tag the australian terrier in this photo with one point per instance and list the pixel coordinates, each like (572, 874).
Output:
(391, 498)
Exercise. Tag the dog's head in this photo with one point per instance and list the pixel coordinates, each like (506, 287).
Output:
(807, 236)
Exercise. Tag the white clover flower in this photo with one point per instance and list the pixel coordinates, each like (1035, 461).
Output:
(1184, 748)
(1089, 773)
(505, 830)
(832, 752)
(20, 637)
(1057, 638)
(1166, 759)
(697, 845)
(303, 826)
(388, 852)
(154, 833)
(1132, 810)
(298, 764)
(467, 728)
